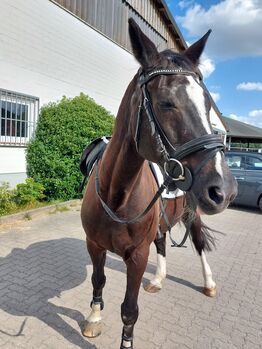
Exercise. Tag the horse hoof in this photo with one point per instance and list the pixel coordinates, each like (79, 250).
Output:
(152, 288)
(92, 329)
(210, 292)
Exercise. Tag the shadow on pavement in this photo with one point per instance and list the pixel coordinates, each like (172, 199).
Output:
(30, 277)
(151, 269)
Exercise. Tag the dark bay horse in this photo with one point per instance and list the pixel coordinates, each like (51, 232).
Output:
(163, 118)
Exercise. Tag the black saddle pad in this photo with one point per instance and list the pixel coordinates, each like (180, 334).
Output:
(92, 152)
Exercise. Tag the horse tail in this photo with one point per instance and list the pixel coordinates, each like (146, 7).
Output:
(203, 237)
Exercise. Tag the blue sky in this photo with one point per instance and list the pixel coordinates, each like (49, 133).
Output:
(232, 63)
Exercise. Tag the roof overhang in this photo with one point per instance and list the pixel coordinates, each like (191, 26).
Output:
(171, 24)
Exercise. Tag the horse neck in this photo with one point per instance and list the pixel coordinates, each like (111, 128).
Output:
(121, 167)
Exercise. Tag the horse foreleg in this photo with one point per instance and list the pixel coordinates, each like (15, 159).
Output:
(155, 284)
(201, 243)
(92, 326)
(136, 265)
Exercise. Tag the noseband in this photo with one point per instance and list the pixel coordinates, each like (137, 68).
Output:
(181, 176)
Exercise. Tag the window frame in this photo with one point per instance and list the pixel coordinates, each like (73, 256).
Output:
(254, 168)
(31, 104)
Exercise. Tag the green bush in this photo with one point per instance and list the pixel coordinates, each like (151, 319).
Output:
(24, 196)
(29, 192)
(7, 199)
(63, 131)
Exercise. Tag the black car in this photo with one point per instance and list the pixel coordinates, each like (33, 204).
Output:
(247, 169)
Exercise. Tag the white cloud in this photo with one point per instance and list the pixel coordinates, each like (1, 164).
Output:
(255, 113)
(215, 96)
(207, 66)
(249, 86)
(235, 25)
(185, 3)
(254, 120)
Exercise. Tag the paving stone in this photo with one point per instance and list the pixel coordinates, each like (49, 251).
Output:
(45, 289)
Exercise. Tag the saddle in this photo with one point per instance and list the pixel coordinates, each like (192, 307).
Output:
(92, 153)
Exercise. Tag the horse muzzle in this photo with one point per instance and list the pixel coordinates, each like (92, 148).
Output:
(215, 196)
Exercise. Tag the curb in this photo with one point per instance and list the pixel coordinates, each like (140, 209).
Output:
(12, 218)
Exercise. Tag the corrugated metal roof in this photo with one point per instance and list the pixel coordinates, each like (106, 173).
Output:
(238, 129)
(173, 26)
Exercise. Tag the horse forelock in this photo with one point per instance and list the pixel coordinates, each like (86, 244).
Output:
(172, 59)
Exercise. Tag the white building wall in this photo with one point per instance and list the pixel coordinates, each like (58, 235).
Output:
(46, 52)
(12, 165)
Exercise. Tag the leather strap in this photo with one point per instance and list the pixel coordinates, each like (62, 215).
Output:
(137, 218)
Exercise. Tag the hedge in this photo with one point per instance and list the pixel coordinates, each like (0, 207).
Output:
(63, 130)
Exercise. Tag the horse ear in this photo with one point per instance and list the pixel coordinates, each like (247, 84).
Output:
(143, 48)
(194, 51)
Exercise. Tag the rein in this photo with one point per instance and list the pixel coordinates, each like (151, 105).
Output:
(179, 174)
(117, 219)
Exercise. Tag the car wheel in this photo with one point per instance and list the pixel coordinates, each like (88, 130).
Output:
(260, 204)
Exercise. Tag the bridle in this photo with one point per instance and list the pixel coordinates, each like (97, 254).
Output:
(211, 143)
(174, 170)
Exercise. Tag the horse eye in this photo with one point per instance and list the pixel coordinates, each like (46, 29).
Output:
(166, 105)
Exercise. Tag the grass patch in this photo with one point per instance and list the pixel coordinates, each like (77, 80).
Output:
(28, 207)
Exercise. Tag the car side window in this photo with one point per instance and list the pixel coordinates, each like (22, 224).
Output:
(234, 161)
(253, 163)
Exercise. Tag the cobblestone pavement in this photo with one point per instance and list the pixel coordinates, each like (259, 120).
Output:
(45, 289)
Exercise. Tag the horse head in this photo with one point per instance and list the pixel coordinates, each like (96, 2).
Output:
(170, 122)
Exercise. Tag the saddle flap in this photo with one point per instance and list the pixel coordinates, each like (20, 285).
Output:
(92, 152)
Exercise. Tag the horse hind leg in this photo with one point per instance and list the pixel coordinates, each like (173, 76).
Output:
(203, 241)
(155, 284)
(93, 327)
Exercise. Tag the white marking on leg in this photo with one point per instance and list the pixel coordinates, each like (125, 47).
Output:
(207, 274)
(126, 344)
(95, 314)
(160, 271)
(219, 164)
(196, 94)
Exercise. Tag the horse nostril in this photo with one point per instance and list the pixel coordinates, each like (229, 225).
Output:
(216, 195)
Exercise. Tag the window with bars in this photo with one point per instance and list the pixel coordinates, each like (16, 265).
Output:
(18, 115)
